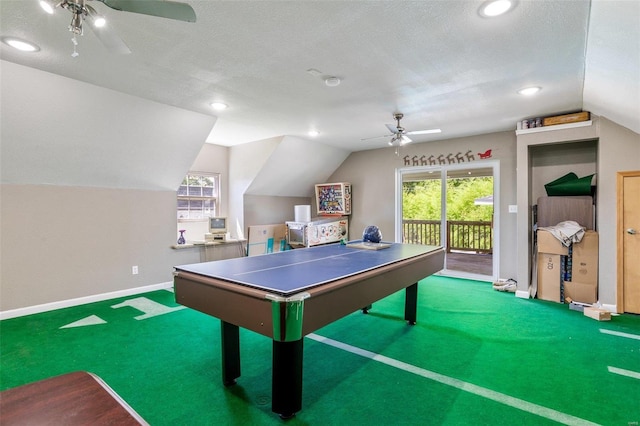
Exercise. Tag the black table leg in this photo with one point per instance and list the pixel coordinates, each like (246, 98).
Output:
(411, 304)
(230, 343)
(287, 378)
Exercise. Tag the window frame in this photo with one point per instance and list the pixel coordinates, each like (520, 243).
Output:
(196, 193)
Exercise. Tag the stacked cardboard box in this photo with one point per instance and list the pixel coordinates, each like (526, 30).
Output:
(567, 272)
(550, 250)
(583, 286)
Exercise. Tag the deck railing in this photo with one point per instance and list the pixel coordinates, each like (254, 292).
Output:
(474, 236)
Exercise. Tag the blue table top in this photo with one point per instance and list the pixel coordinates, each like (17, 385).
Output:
(293, 271)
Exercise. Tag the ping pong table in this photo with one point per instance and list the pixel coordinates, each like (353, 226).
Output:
(287, 295)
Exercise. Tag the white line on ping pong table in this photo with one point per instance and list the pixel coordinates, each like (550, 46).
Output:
(293, 264)
(459, 384)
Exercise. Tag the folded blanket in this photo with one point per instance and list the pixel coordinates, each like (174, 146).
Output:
(566, 232)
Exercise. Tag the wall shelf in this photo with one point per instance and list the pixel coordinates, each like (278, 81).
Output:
(556, 127)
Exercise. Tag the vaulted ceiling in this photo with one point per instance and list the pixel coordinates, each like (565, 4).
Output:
(440, 63)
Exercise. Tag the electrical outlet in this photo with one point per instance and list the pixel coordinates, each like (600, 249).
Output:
(134, 270)
(513, 208)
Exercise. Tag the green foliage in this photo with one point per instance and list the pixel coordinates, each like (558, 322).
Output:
(422, 200)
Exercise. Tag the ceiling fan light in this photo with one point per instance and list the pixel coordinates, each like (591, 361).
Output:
(99, 22)
(76, 24)
(425, 132)
(47, 6)
(313, 133)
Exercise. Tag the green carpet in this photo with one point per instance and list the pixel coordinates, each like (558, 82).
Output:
(476, 356)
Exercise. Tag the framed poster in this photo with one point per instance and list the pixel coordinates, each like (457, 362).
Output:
(333, 199)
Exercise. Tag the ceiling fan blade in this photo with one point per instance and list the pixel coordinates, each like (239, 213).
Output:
(377, 137)
(392, 128)
(106, 35)
(404, 139)
(161, 8)
(424, 132)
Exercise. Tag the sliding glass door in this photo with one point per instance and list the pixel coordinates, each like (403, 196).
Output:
(453, 207)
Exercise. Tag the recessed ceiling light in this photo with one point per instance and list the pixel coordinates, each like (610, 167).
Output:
(313, 133)
(528, 91)
(218, 106)
(332, 81)
(495, 8)
(19, 44)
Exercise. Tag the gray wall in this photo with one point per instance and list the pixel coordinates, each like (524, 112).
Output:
(267, 210)
(76, 214)
(88, 181)
(618, 149)
(372, 175)
(61, 242)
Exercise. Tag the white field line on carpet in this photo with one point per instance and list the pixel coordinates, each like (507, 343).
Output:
(620, 334)
(616, 370)
(459, 384)
(620, 371)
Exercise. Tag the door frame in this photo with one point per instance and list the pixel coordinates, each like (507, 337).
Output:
(443, 169)
(620, 176)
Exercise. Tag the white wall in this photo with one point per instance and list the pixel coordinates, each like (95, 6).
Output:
(210, 159)
(281, 168)
(245, 161)
(60, 131)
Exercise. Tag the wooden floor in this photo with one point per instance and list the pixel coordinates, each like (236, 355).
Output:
(481, 264)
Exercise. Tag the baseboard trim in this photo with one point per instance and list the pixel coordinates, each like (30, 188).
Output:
(522, 294)
(37, 309)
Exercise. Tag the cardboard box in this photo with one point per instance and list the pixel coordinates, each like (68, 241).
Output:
(549, 244)
(549, 277)
(566, 118)
(581, 292)
(577, 306)
(265, 239)
(584, 268)
(597, 314)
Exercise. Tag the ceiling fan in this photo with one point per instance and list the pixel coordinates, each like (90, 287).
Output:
(399, 135)
(82, 11)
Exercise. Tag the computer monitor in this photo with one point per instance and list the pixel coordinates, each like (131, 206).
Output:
(218, 225)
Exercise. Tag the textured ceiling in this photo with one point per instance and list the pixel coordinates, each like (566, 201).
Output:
(438, 62)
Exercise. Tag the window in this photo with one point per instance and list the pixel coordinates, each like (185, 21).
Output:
(198, 196)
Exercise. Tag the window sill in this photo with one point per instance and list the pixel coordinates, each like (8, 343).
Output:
(206, 244)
